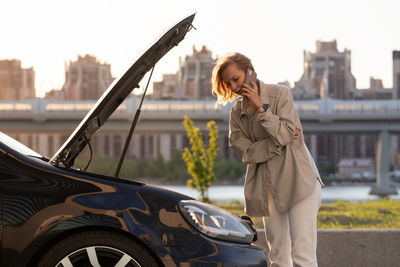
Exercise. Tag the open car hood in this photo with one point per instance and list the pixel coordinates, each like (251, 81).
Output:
(117, 92)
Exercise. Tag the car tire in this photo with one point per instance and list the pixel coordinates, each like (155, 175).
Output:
(97, 248)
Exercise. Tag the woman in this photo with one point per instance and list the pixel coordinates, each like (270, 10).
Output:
(282, 182)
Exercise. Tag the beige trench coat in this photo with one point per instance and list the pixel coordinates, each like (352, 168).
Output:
(265, 142)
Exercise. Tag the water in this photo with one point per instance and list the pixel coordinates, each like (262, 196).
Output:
(229, 193)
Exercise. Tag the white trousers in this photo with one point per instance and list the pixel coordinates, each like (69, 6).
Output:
(292, 235)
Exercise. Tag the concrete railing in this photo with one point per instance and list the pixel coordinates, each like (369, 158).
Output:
(354, 248)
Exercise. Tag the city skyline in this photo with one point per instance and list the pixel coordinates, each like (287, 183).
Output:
(46, 34)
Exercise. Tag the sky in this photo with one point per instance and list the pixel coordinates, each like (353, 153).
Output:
(47, 34)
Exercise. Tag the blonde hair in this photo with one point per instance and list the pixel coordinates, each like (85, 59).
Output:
(219, 87)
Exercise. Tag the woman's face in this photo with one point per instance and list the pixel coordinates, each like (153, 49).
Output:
(233, 77)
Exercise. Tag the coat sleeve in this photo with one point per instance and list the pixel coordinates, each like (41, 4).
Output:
(281, 126)
(246, 150)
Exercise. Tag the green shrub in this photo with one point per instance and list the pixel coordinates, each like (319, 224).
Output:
(200, 161)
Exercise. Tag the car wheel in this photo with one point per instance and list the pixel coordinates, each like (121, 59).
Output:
(97, 248)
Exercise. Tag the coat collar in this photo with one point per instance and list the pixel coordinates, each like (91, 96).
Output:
(264, 97)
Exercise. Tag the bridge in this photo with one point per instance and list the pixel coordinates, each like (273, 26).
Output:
(318, 116)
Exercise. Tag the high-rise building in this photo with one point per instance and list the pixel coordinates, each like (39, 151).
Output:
(327, 72)
(167, 87)
(376, 90)
(16, 83)
(85, 78)
(396, 74)
(196, 74)
(192, 80)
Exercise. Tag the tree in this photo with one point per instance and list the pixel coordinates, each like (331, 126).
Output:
(199, 161)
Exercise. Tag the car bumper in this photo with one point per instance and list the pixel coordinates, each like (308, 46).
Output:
(218, 253)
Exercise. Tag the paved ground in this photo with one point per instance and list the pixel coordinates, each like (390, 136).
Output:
(353, 248)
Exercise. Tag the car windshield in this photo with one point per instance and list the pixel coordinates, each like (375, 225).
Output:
(17, 146)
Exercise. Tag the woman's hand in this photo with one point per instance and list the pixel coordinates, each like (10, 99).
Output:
(251, 92)
(296, 134)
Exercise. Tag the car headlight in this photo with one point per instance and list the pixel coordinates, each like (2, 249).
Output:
(216, 222)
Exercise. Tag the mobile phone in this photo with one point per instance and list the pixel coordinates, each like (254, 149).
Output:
(251, 76)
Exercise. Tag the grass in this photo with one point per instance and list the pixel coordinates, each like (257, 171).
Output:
(383, 214)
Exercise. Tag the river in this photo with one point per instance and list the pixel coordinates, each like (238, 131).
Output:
(228, 193)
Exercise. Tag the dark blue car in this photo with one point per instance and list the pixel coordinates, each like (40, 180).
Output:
(53, 214)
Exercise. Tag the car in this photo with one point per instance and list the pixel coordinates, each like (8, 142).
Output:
(54, 214)
(369, 176)
(395, 175)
